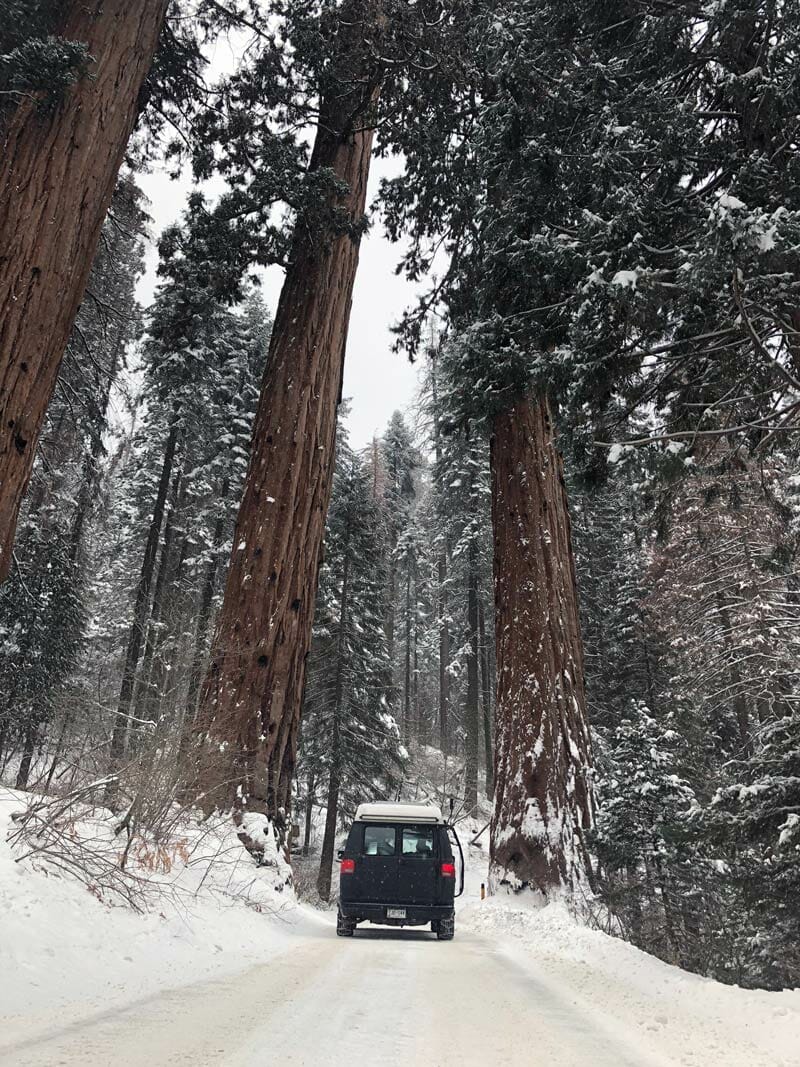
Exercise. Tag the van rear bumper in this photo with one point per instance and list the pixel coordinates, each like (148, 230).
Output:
(416, 914)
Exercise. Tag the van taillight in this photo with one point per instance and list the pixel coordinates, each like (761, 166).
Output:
(348, 866)
(448, 870)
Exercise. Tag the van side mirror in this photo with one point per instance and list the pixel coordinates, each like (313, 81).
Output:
(340, 854)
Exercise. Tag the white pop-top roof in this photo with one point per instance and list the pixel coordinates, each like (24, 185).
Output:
(391, 812)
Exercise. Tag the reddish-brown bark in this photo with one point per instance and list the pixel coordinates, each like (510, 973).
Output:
(252, 696)
(543, 777)
(57, 174)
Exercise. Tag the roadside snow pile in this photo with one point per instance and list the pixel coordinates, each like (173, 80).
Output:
(68, 948)
(681, 1017)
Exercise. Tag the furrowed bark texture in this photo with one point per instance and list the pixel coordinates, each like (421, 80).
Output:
(543, 776)
(57, 175)
(252, 697)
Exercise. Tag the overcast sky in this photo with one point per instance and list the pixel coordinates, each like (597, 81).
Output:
(377, 381)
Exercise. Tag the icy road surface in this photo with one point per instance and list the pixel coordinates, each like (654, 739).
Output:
(385, 997)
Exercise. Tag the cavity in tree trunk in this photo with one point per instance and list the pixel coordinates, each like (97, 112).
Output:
(252, 697)
(57, 174)
(543, 762)
(141, 608)
(472, 710)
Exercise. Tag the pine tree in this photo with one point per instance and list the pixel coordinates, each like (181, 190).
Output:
(641, 833)
(200, 363)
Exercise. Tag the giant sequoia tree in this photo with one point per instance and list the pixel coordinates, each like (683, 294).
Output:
(543, 790)
(251, 700)
(336, 75)
(615, 189)
(61, 155)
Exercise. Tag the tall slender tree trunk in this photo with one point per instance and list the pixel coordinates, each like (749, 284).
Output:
(486, 693)
(202, 626)
(329, 836)
(419, 730)
(310, 786)
(543, 761)
(140, 611)
(444, 651)
(252, 697)
(441, 576)
(472, 716)
(334, 782)
(66, 722)
(169, 613)
(28, 749)
(57, 175)
(407, 726)
(141, 700)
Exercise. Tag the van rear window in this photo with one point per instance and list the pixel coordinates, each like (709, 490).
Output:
(417, 840)
(379, 840)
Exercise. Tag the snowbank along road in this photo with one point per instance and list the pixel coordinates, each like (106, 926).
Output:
(393, 998)
(238, 974)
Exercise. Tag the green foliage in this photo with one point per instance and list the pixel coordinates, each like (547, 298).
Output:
(33, 58)
(42, 625)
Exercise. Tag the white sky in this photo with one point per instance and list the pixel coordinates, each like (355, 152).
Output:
(377, 380)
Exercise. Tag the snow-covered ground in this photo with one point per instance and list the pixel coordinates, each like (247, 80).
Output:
(65, 954)
(229, 969)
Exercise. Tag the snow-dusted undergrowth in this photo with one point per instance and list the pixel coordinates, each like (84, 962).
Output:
(68, 949)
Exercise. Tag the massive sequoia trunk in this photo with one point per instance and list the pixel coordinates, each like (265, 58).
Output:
(543, 776)
(57, 174)
(252, 696)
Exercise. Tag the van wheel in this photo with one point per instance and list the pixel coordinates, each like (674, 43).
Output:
(344, 926)
(445, 928)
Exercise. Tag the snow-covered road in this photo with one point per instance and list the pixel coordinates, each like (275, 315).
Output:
(226, 967)
(384, 997)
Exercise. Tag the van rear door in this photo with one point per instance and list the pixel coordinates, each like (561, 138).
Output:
(374, 880)
(418, 864)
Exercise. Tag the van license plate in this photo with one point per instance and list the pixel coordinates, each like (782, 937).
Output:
(395, 913)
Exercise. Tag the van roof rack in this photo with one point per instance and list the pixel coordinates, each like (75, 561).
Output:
(387, 811)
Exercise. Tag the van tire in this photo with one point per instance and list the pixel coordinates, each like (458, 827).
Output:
(445, 928)
(344, 926)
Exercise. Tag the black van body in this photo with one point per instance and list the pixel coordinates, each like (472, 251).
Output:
(398, 872)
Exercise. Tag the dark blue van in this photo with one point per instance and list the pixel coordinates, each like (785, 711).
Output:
(398, 869)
